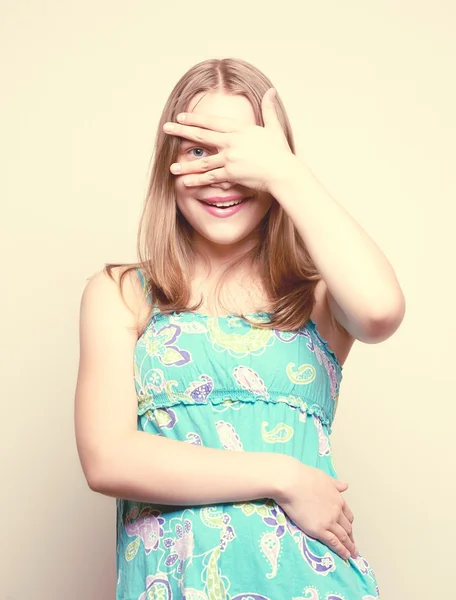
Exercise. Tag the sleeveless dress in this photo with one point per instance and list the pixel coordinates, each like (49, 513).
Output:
(223, 383)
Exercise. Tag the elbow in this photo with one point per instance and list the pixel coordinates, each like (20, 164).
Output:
(105, 465)
(384, 322)
(98, 475)
(95, 481)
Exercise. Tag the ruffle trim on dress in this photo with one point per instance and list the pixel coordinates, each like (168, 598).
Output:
(325, 343)
(305, 405)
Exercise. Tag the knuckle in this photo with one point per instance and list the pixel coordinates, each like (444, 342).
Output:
(211, 178)
(231, 155)
(321, 526)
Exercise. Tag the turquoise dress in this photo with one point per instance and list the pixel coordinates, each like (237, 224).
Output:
(222, 383)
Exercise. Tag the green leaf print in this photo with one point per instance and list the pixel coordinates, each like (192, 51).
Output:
(215, 586)
(192, 594)
(303, 375)
(171, 356)
(254, 341)
(132, 549)
(249, 509)
(211, 516)
(281, 433)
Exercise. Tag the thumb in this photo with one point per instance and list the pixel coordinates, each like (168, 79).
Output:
(341, 486)
(268, 109)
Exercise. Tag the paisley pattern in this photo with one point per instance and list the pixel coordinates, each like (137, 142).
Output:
(280, 433)
(224, 383)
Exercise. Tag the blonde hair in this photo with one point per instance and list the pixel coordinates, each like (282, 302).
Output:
(164, 248)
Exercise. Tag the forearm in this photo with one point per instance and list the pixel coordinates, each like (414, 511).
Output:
(154, 469)
(356, 271)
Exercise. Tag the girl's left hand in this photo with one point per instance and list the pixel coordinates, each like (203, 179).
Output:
(251, 155)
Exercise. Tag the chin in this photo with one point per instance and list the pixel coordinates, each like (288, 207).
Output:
(224, 238)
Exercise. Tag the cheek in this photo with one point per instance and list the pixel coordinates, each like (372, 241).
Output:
(182, 193)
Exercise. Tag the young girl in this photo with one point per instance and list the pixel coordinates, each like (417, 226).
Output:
(210, 371)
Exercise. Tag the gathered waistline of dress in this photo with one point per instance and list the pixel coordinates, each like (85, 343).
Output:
(310, 406)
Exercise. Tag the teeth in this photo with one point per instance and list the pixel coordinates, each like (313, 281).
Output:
(226, 204)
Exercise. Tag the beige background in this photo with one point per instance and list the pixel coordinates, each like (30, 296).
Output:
(371, 93)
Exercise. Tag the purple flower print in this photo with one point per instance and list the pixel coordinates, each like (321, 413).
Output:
(330, 370)
(277, 520)
(290, 336)
(181, 548)
(200, 390)
(148, 526)
(166, 418)
(161, 343)
(228, 534)
(157, 586)
(249, 596)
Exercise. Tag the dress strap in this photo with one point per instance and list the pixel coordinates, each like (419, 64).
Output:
(144, 285)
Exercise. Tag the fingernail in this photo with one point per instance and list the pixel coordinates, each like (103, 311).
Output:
(176, 168)
(168, 126)
(181, 117)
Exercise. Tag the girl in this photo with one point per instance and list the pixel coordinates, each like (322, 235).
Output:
(251, 287)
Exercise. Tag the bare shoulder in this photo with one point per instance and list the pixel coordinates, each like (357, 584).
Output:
(119, 292)
(340, 341)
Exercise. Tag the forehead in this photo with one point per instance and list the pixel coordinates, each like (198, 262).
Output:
(218, 104)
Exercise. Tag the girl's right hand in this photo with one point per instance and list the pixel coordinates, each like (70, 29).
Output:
(313, 501)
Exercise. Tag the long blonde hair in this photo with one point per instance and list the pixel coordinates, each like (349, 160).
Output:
(164, 248)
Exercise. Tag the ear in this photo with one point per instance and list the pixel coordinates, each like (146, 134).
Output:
(268, 109)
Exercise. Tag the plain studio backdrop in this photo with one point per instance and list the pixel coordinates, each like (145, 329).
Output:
(370, 90)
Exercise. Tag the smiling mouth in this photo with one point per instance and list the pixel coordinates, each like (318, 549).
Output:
(226, 204)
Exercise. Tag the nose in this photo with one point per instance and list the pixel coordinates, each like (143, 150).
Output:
(224, 185)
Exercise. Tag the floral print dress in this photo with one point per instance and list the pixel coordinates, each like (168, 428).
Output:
(223, 383)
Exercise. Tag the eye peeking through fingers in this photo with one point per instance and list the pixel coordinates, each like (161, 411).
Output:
(196, 148)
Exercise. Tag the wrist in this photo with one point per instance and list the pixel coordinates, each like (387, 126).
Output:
(287, 170)
(284, 472)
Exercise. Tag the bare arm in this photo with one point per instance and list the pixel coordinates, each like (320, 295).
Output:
(120, 461)
(363, 292)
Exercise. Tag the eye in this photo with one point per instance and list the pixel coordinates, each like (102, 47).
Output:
(196, 149)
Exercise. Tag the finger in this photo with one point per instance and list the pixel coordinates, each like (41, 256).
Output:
(348, 513)
(344, 542)
(220, 124)
(341, 486)
(214, 176)
(268, 109)
(331, 540)
(345, 524)
(198, 166)
(225, 185)
(196, 134)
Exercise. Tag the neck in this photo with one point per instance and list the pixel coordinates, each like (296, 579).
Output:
(217, 257)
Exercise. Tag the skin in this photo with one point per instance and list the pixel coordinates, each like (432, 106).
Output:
(359, 290)
(363, 295)
(219, 238)
(359, 284)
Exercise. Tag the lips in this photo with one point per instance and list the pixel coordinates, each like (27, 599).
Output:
(225, 208)
(224, 203)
